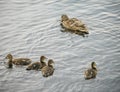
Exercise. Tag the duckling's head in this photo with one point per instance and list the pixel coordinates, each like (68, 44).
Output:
(9, 56)
(42, 58)
(64, 17)
(93, 65)
(50, 63)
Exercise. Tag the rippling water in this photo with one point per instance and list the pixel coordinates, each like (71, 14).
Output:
(30, 28)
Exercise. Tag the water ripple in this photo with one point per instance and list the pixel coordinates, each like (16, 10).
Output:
(31, 28)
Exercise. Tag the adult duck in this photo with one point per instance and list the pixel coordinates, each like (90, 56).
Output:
(49, 69)
(37, 65)
(92, 72)
(74, 25)
(18, 61)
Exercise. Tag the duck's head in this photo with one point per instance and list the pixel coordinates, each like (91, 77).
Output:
(93, 65)
(42, 58)
(64, 17)
(50, 63)
(9, 56)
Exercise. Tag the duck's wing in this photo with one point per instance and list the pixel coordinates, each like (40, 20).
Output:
(36, 65)
(88, 74)
(73, 25)
(47, 71)
(76, 22)
(22, 61)
(75, 19)
(79, 26)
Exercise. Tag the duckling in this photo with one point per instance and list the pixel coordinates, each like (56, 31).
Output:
(37, 65)
(18, 61)
(9, 63)
(74, 25)
(92, 72)
(48, 70)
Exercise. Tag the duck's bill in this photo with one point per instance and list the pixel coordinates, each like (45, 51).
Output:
(53, 64)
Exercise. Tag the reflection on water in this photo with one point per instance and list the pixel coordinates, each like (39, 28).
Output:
(30, 28)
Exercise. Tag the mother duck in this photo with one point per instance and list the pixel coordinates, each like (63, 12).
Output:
(74, 25)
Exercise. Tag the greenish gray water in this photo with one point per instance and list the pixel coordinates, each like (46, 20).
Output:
(31, 28)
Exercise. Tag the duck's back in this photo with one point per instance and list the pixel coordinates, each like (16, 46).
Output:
(90, 73)
(73, 24)
(21, 61)
(47, 71)
(36, 66)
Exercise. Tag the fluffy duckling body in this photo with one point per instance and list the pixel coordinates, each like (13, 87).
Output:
(48, 70)
(18, 61)
(92, 72)
(74, 25)
(37, 65)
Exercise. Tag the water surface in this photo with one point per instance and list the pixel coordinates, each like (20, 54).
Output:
(31, 28)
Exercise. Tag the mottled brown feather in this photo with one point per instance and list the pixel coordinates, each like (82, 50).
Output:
(73, 24)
